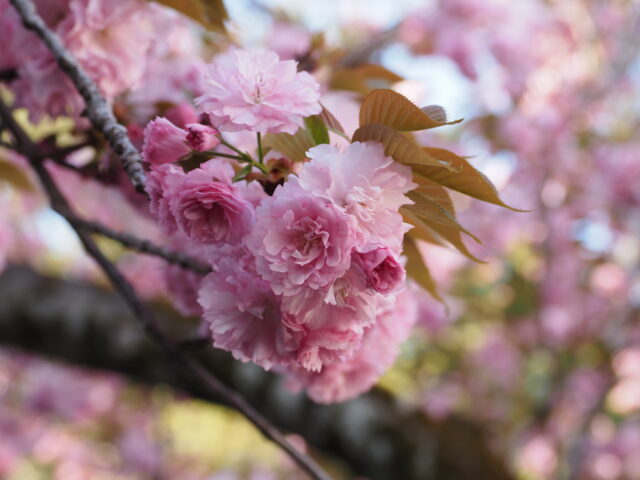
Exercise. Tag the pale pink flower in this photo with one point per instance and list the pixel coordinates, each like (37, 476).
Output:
(207, 207)
(157, 185)
(328, 325)
(183, 284)
(380, 269)
(289, 41)
(247, 90)
(173, 65)
(301, 240)
(164, 142)
(110, 40)
(42, 88)
(379, 349)
(363, 182)
(202, 137)
(242, 312)
(182, 114)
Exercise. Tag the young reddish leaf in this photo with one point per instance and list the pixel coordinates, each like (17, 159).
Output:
(436, 233)
(396, 145)
(426, 207)
(417, 268)
(360, 79)
(436, 112)
(209, 13)
(396, 111)
(332, 123)
(14, 176)
(466, 179)
(375, 71)
(294, 147)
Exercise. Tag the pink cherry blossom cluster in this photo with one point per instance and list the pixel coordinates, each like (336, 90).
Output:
(119, 44)
(307, 280)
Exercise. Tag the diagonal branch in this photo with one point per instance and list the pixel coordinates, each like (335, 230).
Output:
(145, 316)
(98, 110)
(140, 245)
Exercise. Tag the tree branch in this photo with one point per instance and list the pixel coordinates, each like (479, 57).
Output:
(144, 315)
(376, 435)
(140, 245)
(98, 110)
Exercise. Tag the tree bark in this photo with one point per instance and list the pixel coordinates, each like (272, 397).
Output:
(375, 434)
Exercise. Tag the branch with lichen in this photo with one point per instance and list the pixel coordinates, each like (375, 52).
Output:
(97, 110)
(142, 313)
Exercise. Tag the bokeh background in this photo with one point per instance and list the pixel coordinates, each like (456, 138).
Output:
(533, 364)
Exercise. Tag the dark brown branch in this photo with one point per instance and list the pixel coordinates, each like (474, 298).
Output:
(375, 435)
(140, 245)
(98, 110)
(144, 315)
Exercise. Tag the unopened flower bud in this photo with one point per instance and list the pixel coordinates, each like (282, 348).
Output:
(202, 137)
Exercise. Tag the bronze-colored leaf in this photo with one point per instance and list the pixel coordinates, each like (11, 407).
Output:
(294, 147)
(332, 123)
(209, 13)
(465, 179)
(376, 71)
(396, 111)
(15, 176)
(363, 78)
(436, 112)
(396, 145)
(417, 269)
(436, 209)
(436, 233)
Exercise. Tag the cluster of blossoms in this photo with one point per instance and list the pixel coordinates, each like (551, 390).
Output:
(307, 280)
(121, 45)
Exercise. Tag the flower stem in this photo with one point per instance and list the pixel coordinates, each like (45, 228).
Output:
(260, 154)
(242, 154)
(225, 155)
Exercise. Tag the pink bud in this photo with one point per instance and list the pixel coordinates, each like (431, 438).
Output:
(381, 270)
(182, 114)
(163, 142)
(202, 137)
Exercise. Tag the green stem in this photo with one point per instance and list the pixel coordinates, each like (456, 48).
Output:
(261, 167)
(239, 152)
(225, 155)
(260, 155)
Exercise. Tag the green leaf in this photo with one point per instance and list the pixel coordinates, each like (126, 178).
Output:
(15, 176)
(294, 147)
(396, 111)
(465, 179)
(317, 129)
(396, 145)
(417, 268)
(242, 173)
(209, 13)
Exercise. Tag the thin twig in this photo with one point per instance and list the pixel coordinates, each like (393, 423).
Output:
(146, 316)
(140, 245)
(195, 342)
(98, 110)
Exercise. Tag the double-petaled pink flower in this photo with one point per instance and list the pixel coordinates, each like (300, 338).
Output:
(241, 312)
(301, 241)
(364, 183)
(207, 207)
(255, 91)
